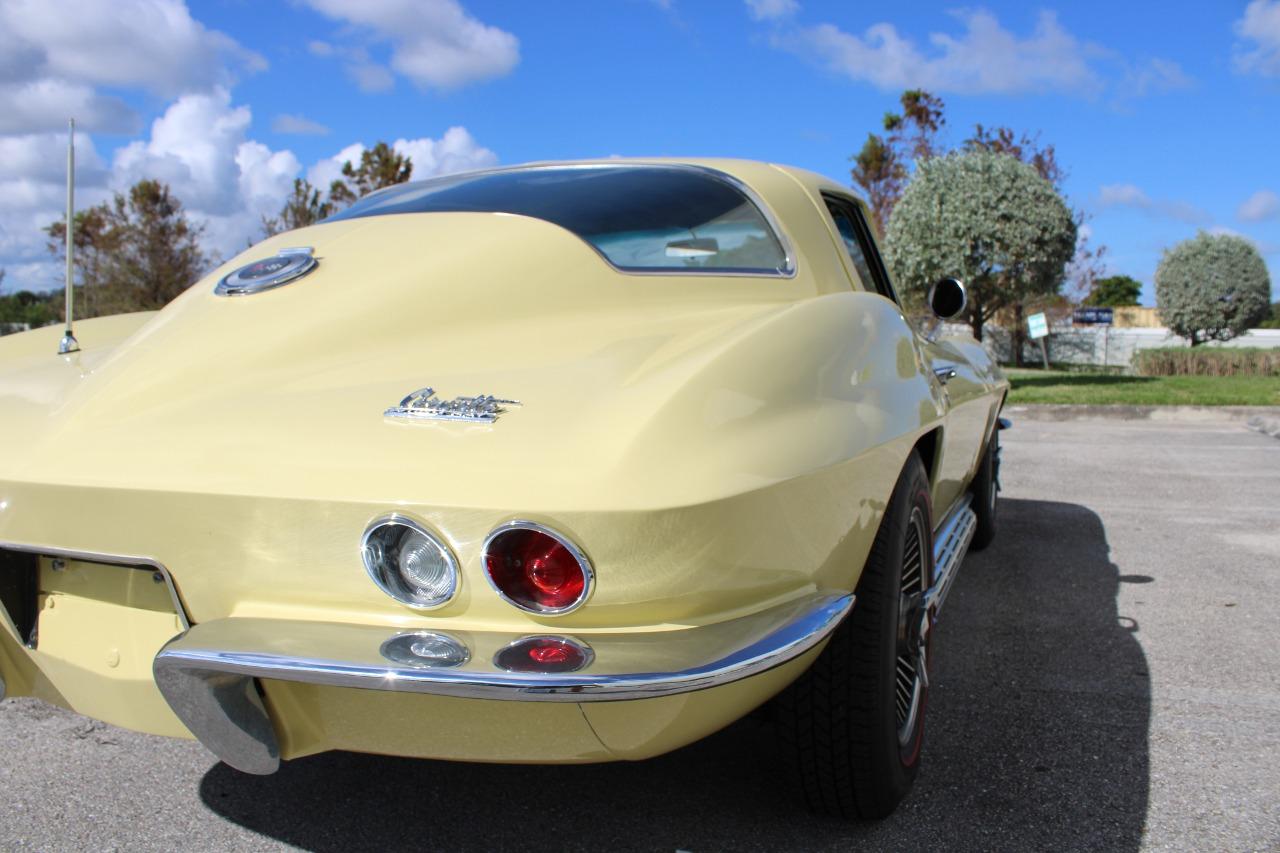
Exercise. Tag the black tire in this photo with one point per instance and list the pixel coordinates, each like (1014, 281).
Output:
(986, 494)
(852, 751)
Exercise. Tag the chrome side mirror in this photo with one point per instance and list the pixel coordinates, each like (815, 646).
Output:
(947, 298)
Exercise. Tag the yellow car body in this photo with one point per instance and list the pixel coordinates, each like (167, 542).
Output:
(195, 483)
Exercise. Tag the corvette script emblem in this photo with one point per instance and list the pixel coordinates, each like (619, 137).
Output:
(424, 405)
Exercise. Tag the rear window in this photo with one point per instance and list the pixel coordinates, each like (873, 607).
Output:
(640, 218)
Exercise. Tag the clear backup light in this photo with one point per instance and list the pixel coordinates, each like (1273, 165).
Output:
(409, 563)
(426, 650)
(537, 569)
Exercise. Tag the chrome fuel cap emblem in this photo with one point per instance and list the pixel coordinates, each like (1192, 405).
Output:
(285, 266)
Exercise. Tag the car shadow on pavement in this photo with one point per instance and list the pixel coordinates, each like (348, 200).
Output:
(1037, 739)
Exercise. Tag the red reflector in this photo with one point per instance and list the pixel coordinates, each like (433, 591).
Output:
(549, 654)
(544, 654)
(536, 570)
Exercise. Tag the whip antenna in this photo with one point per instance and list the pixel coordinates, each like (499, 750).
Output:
(69, 344)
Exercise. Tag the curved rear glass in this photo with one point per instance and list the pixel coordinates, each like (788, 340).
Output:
(640, 218)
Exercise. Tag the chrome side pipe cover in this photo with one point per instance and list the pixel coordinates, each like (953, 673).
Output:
(950, 544)
(208, 674)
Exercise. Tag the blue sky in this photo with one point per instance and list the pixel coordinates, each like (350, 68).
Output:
(1166, 115)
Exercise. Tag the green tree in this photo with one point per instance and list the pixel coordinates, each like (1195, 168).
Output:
(95, 244)
(1273, 320)
(1114, 291)
(304, 207)
(380, 166)
(1004, 140)
(1212, 287)
(1087, 264)
(882, 168)
(134, 253)
(988, 219)
(25, 307)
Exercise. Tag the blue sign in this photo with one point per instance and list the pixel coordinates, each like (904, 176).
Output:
(1037, 326)
(1093, 316)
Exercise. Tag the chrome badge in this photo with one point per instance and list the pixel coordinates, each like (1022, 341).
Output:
(424, 405)
(285, 266)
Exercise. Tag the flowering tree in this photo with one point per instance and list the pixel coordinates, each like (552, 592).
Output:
(988, 219)
(1212, 287)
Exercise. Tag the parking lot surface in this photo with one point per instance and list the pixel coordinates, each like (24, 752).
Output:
(1107, 676)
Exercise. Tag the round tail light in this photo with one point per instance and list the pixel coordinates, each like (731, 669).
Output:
(409, 563)
(536, 568)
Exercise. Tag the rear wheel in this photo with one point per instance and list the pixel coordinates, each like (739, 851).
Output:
(986, 491)
(852, 726)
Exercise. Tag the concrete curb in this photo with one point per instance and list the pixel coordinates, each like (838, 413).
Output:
(1264, 419)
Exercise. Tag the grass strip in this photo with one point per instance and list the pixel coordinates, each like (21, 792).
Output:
(1078, 388)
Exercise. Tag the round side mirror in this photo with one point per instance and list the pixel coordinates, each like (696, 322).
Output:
(947, 298)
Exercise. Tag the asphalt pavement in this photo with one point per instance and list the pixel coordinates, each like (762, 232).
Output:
(1107, 677)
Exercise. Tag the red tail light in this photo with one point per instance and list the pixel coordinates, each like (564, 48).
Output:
(545, 654)
(537, 569)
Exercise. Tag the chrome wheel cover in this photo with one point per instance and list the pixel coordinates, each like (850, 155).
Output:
(911, 674)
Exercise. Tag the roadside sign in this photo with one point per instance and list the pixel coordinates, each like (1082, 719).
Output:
(1093, 316)
(1037, 326)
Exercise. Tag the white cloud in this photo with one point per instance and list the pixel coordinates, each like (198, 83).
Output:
(226, 181)
(455, 151)
(33, 194)
(985, 58)
(229, 182)
(290, 123)
(150, 44)
(199, 147)
(55, 53)
(1258, 51)
(434, 43)
(1128, 195)
(328, 170)
(266, 176)
(34, 106)
(1262, 205)
(772, 10)
(1155, 76)
(43, 157)
(193, 149)
(369, 75)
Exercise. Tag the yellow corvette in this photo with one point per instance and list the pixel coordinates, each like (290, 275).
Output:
(556, 463)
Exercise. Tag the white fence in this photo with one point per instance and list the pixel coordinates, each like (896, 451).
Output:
(1103, 346)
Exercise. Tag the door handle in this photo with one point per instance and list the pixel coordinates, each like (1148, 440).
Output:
(945, 373)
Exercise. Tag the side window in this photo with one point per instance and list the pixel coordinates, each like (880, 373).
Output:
(856, 237)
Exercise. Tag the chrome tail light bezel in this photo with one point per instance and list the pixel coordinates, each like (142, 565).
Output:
(580, 556)
(398, 591)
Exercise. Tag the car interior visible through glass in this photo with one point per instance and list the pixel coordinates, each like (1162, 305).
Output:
(640, 218)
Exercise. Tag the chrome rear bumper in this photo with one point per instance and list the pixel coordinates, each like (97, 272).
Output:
(207, 673)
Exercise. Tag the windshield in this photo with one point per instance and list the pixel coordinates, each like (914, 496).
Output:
(641, 218)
